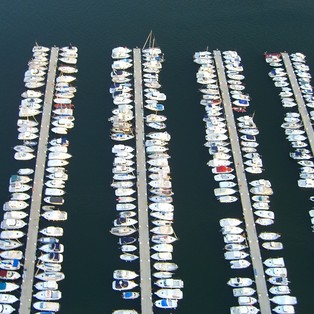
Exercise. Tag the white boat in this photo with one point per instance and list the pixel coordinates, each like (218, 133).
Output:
(124, 312)
(239, 264)
(166, 303)
(122, 231)
(164, 247)
(224, 191)
(279, 281)
(8, 286)
(50, 276)
(272, 245)
(51, 258)
(275, 262)
(161, 207)
(14, 215)
(240, 282)
(244, 309)
(52, 248)
(14, 205)
(46, 285)
(52, 231)
(10, 264)
(284, 300)
(163, 274)
(165, 266)
(276, 272)
(48, 295)
(9, 244)
(267, 236)
(234, 238)
(279, 290)
(47, 306)
(286, 309)
(7, 299)
(232, 255)
(231, 230)
(6, 308)
(124, 274)
(235, 247)
(265, 214)
(169, 283)
(11, 234)
(162, 256)
(124, 221)
(264, 221)
(12, 254)
(243, 291)
(169, 293)
(122, 284)
(261, 205)
(55, 215)
(165, 230)
(246, 300)
(162, 238)
(128, 257)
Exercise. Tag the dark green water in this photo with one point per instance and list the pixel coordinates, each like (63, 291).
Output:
(181, 28)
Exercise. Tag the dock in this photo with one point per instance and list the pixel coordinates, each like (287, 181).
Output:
(252, 238)
(299, 99)
(38, 184)
(143, 225)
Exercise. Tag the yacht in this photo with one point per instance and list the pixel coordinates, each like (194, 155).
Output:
(162, 256)
(234, 238)
(231, 230)
(268, 236)
(233, 255)
(163, 274)
(52, 231)
(276, 272)
(11, 234)
(169, 293)
(165, 266)
(46, 285)
(14, 205)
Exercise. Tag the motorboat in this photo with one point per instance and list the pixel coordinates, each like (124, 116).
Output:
(19, 187)
(55, 215)
(169, 283)
(165, 266)
(264, 221)
(52, 248)
(272, 245)
(124, 312)
(55, 200)
(224, 176)
(276, 272)
(243, 291)
(164, 230)
(240, 282)
(233, 255)
(130, 295)
(51, 258)
(235, 247)
(265, 214)
(234, 238)
(47, 306)
(10, 264)
(128, 257)
(239, 264)
(11, 234)
(275, 262)
(52, 231)
(224, 191)
(287, 309)
(161, 207)
(124, 274)
(50, 276)
(278, 281)
(164, 247)
(54, 192)
(8, 244)
(231, 230)
(12, 254)
(48, 240)
(122, 231)
(6, 308)
(14, 205)
(284, 300)
(162, 256)
(49, 266)
(261, 190)
(167, 303)
(261, 205)
(268, 236)
(9, 275)
(8, 286)
(279, 290)
(227, 199)
(7, 299)
(48, 295)
(244, 309)
(122, 284)
(19, 197)
(162, 238)
(163, 274)
(46, 285)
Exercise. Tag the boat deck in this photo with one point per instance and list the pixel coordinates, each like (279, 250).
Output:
(299, 99)
(34, 214)
(252, 238)
(143, 226)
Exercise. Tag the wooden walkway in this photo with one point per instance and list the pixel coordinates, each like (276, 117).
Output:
(299, 99)
(143, 229)
(34, 215)
(252, 238)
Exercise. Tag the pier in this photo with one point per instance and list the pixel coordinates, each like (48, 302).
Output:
(299, 99)
(255, 253)
(34, 214)
(143, 225)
